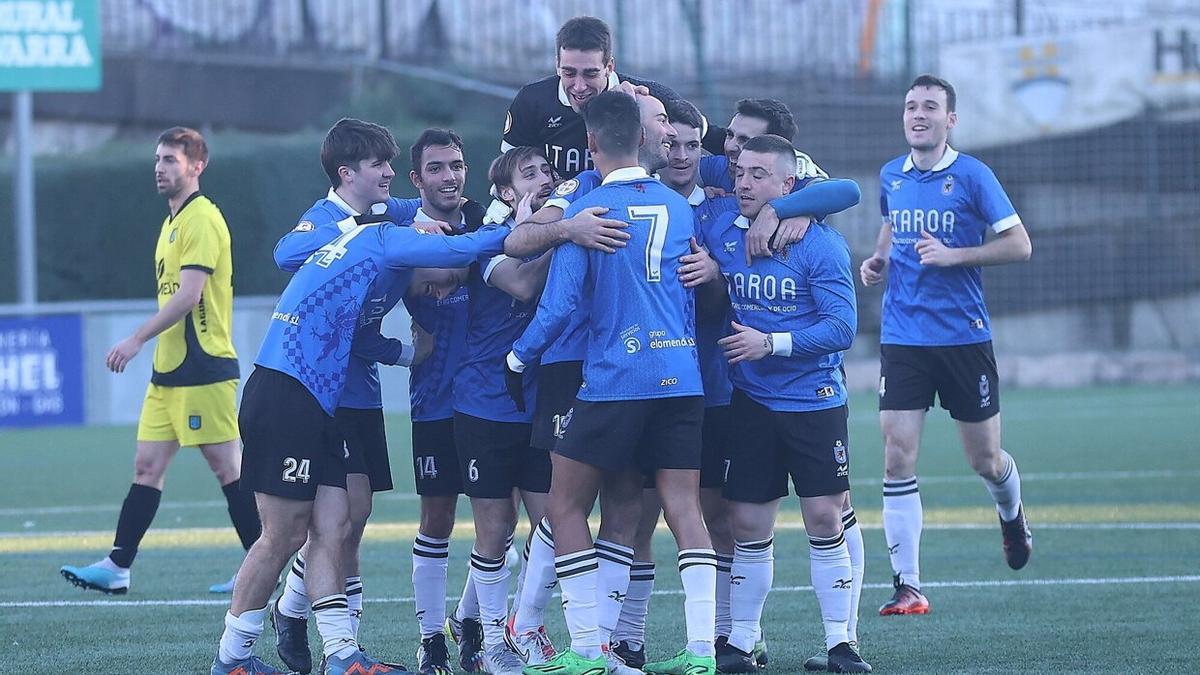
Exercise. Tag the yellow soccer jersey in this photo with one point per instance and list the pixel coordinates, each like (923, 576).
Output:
(199, 348)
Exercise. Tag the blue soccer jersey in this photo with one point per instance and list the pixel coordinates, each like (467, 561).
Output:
(714, 367)
(324, 221)
(956, 201)
(313, 325)
(431, 382)
(639, 319)
(804, 296)
(496, 321)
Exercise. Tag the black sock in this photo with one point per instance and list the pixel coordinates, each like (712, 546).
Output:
(137, 512)
(243, 512)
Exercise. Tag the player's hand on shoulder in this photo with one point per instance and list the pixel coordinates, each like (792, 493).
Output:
(432, 227)
(590, 230)
(633, 89)
(122, 353)
(873, 270)
(934, 253)
(697, 267)
(746, 344)
(422, 344)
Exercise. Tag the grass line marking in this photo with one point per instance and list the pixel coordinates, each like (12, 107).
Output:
(981, 583)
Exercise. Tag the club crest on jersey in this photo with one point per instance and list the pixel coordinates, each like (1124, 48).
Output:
(194, 422)
(840, 454)
(782, 254)
(948, 185)
(566, 188)
(554, 122)
(304, 226)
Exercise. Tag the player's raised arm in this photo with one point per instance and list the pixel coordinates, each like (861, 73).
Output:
(407, 247)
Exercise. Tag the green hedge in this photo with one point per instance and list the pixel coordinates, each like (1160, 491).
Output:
(98, 215)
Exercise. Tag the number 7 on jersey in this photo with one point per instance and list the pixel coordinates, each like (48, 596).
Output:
(658, 216)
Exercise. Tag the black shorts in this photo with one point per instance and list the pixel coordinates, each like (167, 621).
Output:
(364, 434)
(289, 445)
(435, 459)
(495, 457)
(646, 435)
(963, 377)
(813, 447)
(716, 440)
(558, 383)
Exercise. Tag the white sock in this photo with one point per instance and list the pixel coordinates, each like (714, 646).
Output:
(612, 585)
(540, 581)
(832, 577)
(1006, 492)
(468, 602)
(724, 568)
(429, 564)
(698, 574)
(516, 604)
(577, 575)
(490, 579)
(294, 600)
(750, 579)
(354, 598)
(631, 625)
(333, 623)
(858, 566)
(902, 517)
(241, 632)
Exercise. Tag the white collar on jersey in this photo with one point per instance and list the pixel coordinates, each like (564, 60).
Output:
(613, 81)
(377, 209)
(423, 217)
(742, 222)
(696, 198)
(947, 159)
(624, 174)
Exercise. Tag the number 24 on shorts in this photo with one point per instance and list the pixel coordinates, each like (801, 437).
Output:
(295, 470)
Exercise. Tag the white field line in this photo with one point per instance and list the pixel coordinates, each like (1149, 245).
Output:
(783, 525)
(858, 482)
(983, 583)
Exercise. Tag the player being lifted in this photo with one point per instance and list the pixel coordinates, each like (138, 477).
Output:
(937, 207)
(293, 452)
(640, 407)
(547, 114)
(793, 316)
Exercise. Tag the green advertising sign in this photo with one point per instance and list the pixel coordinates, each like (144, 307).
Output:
(46, 45)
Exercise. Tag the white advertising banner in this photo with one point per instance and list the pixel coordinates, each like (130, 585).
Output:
(1019, 89)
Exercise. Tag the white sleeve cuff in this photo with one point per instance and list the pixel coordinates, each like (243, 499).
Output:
(557, 201)
(781, 344)
(407, 352)
(1006, 223)
(492, 264)
(514, 364)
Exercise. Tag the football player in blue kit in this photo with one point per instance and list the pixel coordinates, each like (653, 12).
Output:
(793, 316)
(294, 453)
(935, 338)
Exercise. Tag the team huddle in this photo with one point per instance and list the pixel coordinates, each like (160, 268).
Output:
(650, 314)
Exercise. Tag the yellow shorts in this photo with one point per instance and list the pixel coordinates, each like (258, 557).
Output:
(191, 415)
